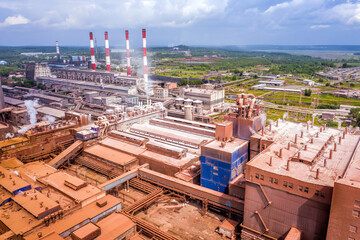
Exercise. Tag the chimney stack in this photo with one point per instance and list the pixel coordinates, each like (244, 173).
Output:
(317, 173)
(288, 165)
(2, 100)
(145, 63)
(57, 51)
(107, 52)
(92, 51)
(128, 53)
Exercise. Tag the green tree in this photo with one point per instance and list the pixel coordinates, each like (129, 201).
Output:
(307, 92)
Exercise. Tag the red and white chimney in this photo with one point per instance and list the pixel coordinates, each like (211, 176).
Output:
(107, 52)
(93, 64)
(57, 51)
(128, 53)
(145, 60)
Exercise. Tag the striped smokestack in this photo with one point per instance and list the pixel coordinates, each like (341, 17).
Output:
(145, 62)
(93, 64)
(128, 53)
(107, 52)
(58, 51)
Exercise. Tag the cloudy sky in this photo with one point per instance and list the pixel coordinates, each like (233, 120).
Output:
(172, 22)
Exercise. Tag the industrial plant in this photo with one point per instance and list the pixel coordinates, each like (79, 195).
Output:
(101, 154)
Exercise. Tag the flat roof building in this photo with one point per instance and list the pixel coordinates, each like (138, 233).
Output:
(290, 182)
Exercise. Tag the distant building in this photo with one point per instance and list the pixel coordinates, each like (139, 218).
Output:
(328, 116)
(3, 62)
(161, 93)
(309, 82)
(273, 82)
(209, 98)
(35, 70)
(170, 85)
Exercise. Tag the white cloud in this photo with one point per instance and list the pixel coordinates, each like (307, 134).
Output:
(69, 14)
(319, 26)
(14, 20)
(348, 13)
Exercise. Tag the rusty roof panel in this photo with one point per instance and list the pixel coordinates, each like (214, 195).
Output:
(109, 154)
(11, 182)
(36, 203)
(87, 232)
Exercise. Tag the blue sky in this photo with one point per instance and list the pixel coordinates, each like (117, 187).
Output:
(173, 22)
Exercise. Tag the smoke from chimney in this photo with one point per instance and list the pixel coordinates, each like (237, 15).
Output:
(58, 51)
(49, 118)
(30, 107)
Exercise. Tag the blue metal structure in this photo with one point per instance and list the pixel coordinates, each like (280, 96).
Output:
(218, 168)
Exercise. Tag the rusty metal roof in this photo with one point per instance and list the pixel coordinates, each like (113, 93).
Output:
(311, 159)
(114, 225)
(110, 154)
(57, 181)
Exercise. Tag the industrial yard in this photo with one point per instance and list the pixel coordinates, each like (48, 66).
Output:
(90, 151)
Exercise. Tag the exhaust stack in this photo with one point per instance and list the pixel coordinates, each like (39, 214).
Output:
(57, 51)
(2, 100)
(146, 78)
(92, 51)
(128, 53)
(107, 52)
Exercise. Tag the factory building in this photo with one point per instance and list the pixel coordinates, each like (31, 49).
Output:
(35, 70)
(210, 98)
(71, 85)
(292, 183)
(246, 116)
(223, 159)
(161, 93)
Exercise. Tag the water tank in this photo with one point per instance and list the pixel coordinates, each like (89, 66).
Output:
(179, 101)
(197, 103)
(188, 102)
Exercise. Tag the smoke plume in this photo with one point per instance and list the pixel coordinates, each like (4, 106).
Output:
(49, 118)
(30, 107)
(23, 130)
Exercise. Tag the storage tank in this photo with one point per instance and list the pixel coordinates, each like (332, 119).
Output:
(188, 102)
(179, 102)
(188, 110)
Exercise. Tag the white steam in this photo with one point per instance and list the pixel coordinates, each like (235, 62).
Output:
(49, 118)
(285, 115)
(9, 135)
(263, 120)
(30, 107)
(102, 84)
(23, 130)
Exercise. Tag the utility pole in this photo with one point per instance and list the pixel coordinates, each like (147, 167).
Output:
(318, 95)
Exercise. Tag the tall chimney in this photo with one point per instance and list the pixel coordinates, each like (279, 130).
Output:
(107, 52)
(93, 64)
(58, 51)
(145, 63)
(128, 53)
(2, 100)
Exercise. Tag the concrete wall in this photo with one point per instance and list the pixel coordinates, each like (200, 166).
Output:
(345, 212)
